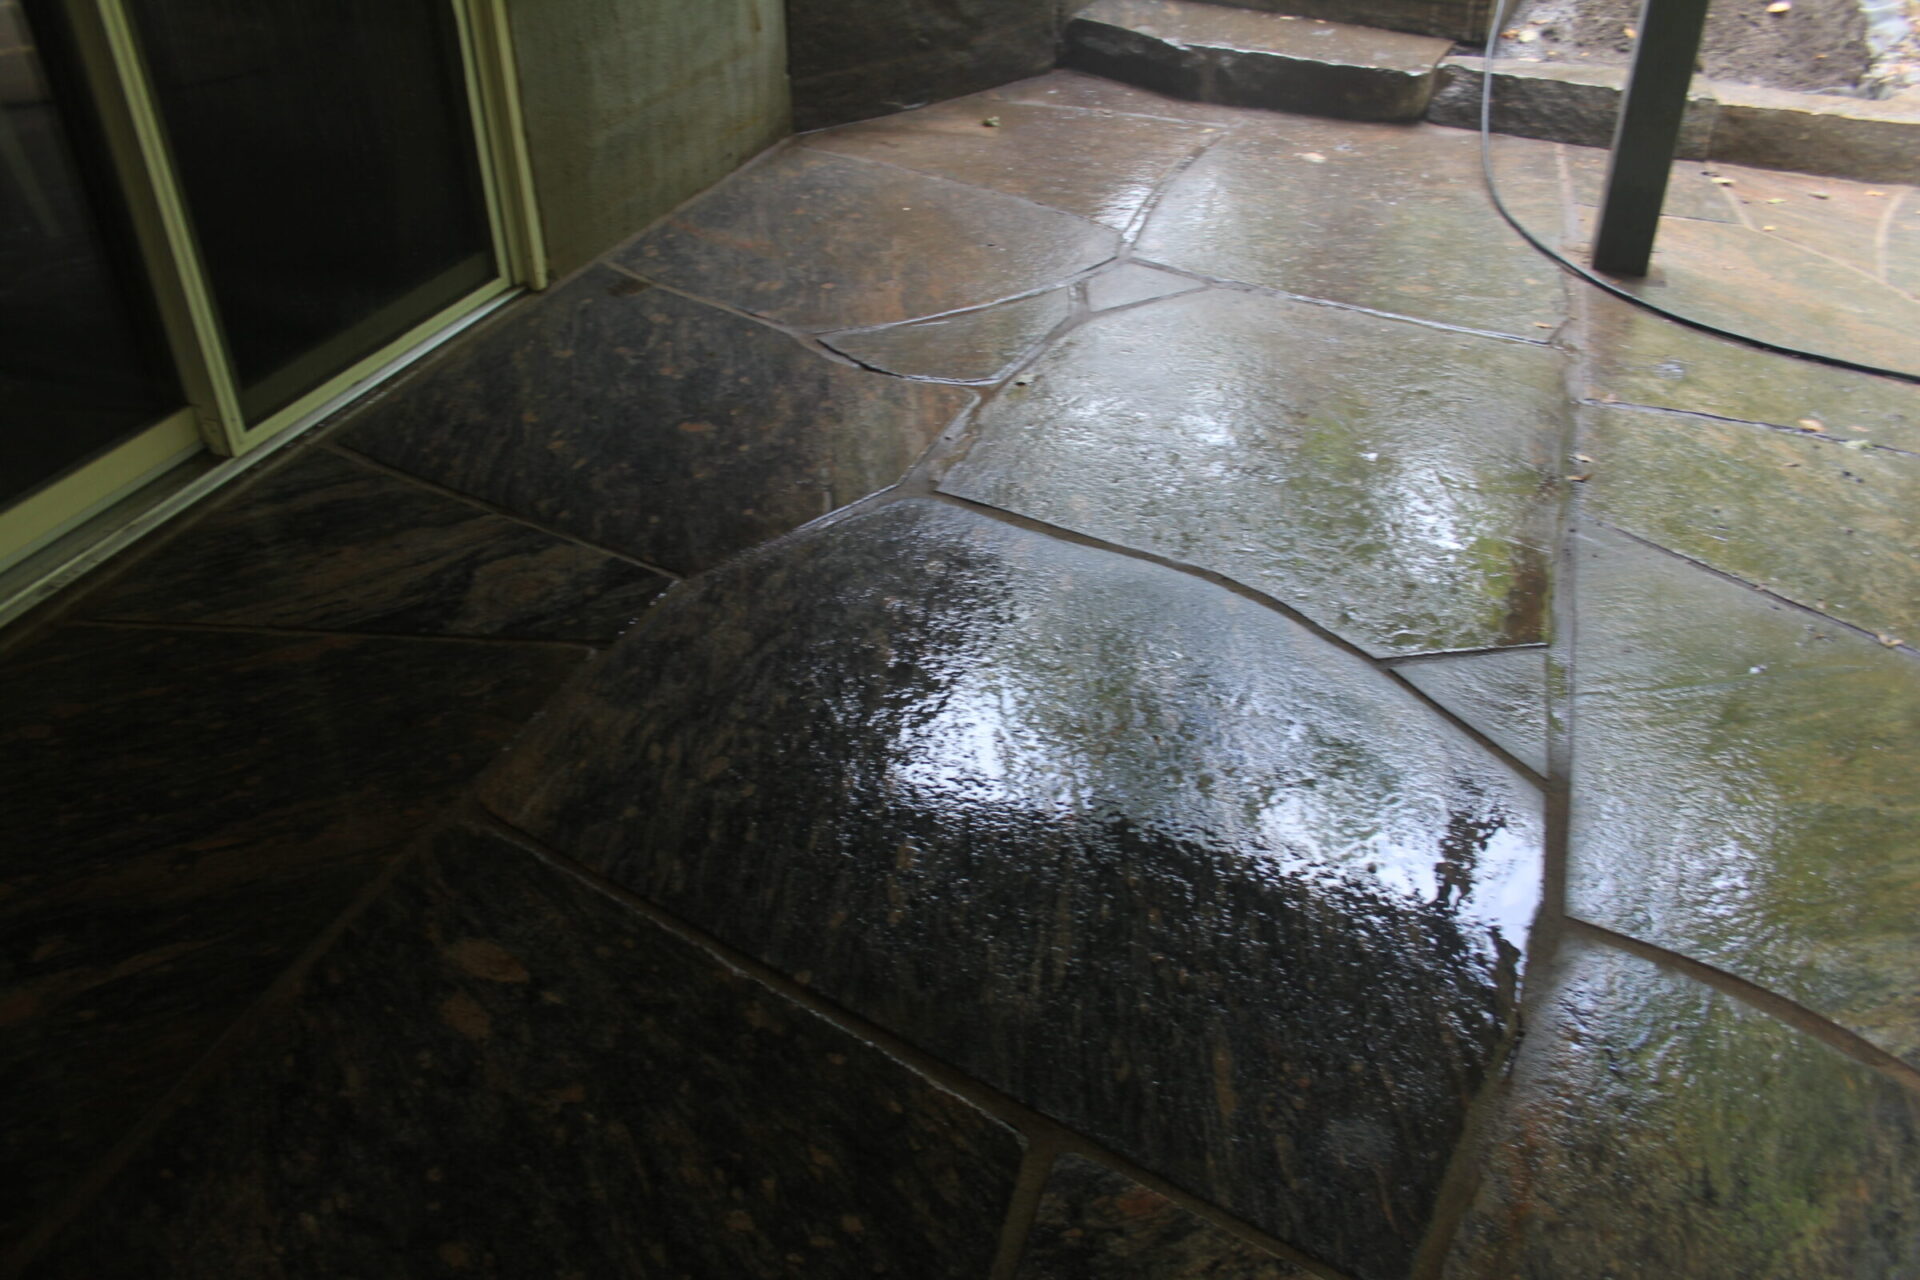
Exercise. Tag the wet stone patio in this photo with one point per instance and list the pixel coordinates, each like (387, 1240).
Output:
(1195, 713)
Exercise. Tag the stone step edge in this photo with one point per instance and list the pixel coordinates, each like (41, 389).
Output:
(1376, 74)
(1866, 139)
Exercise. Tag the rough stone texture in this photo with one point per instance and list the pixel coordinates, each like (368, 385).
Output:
(1097, 93)
(1248, 59)
(1116, 160)
(850, 59)
(827, 242)
(1503, 695)
(1832, 216)
(499, 1072)
(1260, 208)
(1098, 1224)
(1124, 844)
(1455, 19)
(1654, 1127)
(1742, 42)
(974, 346)
(186, 811)
(1875, 141)
(633, 106)
(1691, 189)
(1555, 101)
(1639, 358)
(1279, 443)
(330, 544)
(1901, 257)
(1130, 283)
(660, 427)
(1743, 787)
(1810, 519)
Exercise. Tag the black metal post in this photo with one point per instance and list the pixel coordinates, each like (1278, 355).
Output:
(1647, 134)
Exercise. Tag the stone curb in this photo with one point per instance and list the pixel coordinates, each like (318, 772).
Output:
(1861, 138)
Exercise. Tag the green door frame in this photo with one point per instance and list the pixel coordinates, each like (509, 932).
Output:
(116, 77)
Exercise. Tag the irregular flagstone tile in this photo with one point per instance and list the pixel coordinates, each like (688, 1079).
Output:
(1901, 261)
(1117, 160)
(1760, 286)
(329, 544)
(1389, 217)
(186, 811)
(974, 346)
(1132, 282)
(1124, 844)
(661, 427)
(1097, 1224)
(1504, 695)
(1065, 88)
(500, 1072)
(1640, 358)
(1655, 1127)
(1393, 482)
(1691, 191)
(1743, 788)
(828, 242)
(1809, 519)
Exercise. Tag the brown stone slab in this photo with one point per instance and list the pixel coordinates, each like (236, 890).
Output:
(1743, 788)
(660, 427)
(1396, 483)
(1655, 1127)
(1558, 102)
(1243, 58)
(1640, 358)
(1814, 520)
(1455, 19)
(187, 810)
(1130, 283)
(1097, 1222)
(1068, 88)
(824, 241)
(1124, 844)
(499, 1072)
(1117, 160)
(327, 543)
(974, 346)
(1389, 217)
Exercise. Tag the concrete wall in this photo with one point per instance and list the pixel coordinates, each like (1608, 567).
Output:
(634, 105)
(857, 58)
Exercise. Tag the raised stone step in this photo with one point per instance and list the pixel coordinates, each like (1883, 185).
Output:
(1455, 19)
(1244, 58)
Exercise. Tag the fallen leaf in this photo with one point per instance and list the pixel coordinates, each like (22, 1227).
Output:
(1776, 200)
(1581, 457)
(1819, 195)
(992, 122)
(1721, 182)
(1631, 33)
(1528, 36)
(1856, 444)
(1511, 33)
(1542, 324)
(1779, 6)
(1582, 477)
(1313, 157)
(1878, 195)
(1892, 642)
(1812, 424)
(1766, 228)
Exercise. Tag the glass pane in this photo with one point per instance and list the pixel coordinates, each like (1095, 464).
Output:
(82, 364)
(327, 155)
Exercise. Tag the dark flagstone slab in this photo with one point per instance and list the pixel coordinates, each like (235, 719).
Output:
(499, 1072)
(1131, 283)
(974, 346)
(663, 428)
(1131, 847)
(187, 810)
(326, 543)
(1097, 1224)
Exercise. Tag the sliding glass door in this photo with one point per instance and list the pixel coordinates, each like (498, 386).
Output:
(222, 214)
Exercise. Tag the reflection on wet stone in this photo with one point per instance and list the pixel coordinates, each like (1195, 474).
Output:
(1135, 849)
(1097, 1224)
(1503, 695)
(1131, 283)
(1391, 481)
(1656, 1128)
(1743, 787)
